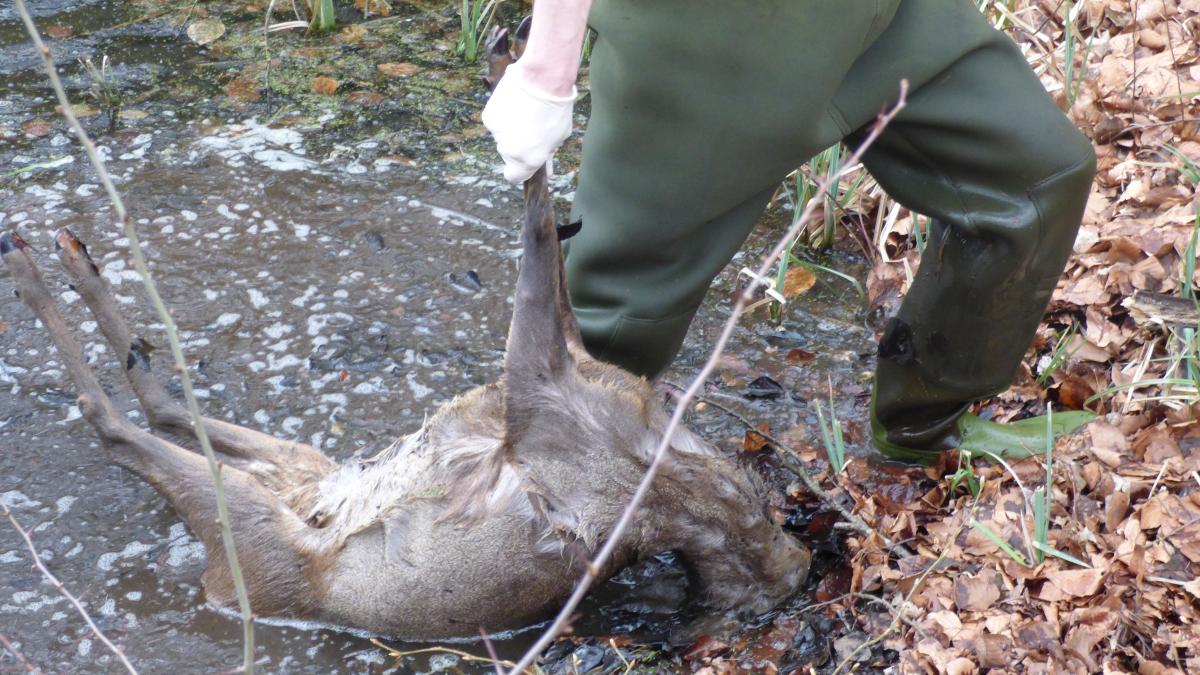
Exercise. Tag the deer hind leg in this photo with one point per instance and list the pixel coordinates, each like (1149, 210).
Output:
(570, 326)
(537, 353)
(275, 548)
(278, 463)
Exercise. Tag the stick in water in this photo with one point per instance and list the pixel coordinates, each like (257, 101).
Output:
(58, 585)
(139, 262)
(685, 400)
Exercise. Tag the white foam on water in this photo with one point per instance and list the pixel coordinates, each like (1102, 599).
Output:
(15, 499)
(257, 298)
(237, 143)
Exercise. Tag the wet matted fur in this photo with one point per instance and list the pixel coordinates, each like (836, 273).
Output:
(484, 517)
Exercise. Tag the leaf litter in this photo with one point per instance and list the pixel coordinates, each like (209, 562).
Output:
(1124, 503)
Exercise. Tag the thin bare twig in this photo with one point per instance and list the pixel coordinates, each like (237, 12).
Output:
(898, 615)
(465, 656)
(139, 261)
(896, 612)
(267, 49)
(627, 516)
(788, 456)
(12, 649)
(491, 650)
(58, 585)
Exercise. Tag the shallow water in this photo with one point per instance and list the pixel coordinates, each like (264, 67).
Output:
(323, 296)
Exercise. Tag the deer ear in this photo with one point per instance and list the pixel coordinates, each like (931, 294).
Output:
(522, 36)
(498, 56)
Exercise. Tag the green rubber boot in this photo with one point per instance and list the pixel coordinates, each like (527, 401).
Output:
(1023, 438)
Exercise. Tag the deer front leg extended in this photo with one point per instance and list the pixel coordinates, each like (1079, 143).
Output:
(297, 462)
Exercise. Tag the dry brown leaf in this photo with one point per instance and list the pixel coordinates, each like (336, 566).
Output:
(947, 620)
(36, 128)
(754, 442)
(1082, 350)
(978, 593)
(960, 666)
(324, 85)
(243, 88)
(205, 31)
(397, 69)
(374, 7)
(1086, 290)
(798, 356)
(1149, 667)
(1040, 636)
(352, 34)
(1075, 583)
(365, 98)
(80, 110)
(1108, 443)
(797, 280)
(1187, 540)
(1116, 507)
(1074, 392)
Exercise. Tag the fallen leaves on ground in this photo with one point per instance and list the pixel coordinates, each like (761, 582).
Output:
(205, 31)
(1125, 495)
(398, 69)
(323, 84)
(375, 7)
(797, 281)
(36, 127)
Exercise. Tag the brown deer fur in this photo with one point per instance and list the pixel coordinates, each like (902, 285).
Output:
(482, 518)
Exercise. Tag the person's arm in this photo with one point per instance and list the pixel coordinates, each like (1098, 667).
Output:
(529, 113)
(551, 59)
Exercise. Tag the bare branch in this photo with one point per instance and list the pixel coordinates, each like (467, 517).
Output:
(37, 561)
(139, 261)
(685, 400)
(899, 605)
(491, 650)
(12, 649)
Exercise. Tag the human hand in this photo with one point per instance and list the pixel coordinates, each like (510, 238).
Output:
(527, 123)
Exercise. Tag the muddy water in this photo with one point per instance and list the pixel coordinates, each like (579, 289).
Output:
(323, 296)
(330, 308)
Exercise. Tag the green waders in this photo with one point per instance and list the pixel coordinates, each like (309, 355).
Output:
(701, 107)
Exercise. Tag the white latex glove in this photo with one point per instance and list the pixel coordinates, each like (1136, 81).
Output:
(527, 123)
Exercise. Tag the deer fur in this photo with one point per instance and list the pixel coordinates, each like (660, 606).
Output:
(482, 518)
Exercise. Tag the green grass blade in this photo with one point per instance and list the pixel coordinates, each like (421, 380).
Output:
(829, 270)
(832, 450)
(1008, 550)
(1179, 382)
(1041, 520)
(1059, 554)
(1190, 169)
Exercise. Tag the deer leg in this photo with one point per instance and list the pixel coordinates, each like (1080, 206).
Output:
(32, 290)
(275, 547)
(276, 550)
(293, 462)
(570, 326)
(536, 352)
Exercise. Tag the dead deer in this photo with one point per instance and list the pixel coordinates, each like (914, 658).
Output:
(483, 517)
